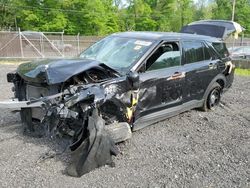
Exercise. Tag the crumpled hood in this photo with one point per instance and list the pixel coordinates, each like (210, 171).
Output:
(54, 71)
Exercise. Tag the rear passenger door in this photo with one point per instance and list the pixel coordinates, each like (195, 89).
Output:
(200, 68)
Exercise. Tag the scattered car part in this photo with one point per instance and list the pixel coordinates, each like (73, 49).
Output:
(93, 148)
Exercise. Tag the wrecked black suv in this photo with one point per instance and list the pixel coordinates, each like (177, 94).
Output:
(124, 82)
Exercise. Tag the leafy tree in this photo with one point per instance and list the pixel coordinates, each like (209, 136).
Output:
(242, 12)
(7, 15)
(222, 10)
(163, 11)
(182, 14)
(203, 10)
(93, 17)
(101, 17)
(40, 15)
(140, 14)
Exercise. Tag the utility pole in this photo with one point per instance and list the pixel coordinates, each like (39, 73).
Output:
(234, 1)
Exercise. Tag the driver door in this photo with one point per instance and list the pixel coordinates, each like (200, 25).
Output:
(161, 81)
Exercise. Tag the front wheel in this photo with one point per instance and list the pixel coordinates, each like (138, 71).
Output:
(213, 97)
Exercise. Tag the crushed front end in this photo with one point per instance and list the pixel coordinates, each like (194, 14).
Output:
(93, 108)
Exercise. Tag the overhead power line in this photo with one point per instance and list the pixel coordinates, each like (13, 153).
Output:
(67, 10)
(128, 15)
(41, 8)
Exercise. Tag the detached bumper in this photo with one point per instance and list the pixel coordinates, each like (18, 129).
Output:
(15, 104)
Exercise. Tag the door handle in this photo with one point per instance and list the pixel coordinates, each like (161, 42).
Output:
(177, 75)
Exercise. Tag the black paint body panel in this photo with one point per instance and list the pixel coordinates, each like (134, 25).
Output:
(159, 96)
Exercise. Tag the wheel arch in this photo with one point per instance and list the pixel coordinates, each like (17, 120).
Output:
(220, 79)
(221, 82)
(114, 107)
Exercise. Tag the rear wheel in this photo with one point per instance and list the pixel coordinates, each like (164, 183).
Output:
(213, 97)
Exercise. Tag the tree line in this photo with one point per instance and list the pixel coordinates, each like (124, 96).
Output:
(101, 17)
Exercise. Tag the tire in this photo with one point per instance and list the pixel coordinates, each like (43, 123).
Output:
(212, 99)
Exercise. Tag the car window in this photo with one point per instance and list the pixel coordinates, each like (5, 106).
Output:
(116, 52)
(221, 48)
(195, 51)
(246, 49)
(207, 54)
(167, 55)
(239, 50)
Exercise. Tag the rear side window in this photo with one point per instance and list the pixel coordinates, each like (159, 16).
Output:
(195, 51)
(221, 49)
(207, 54)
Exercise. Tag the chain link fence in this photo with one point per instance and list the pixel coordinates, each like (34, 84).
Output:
(243, 40)
(29, 44)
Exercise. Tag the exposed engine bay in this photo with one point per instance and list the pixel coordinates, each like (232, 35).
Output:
(90, 76)
(81, 108)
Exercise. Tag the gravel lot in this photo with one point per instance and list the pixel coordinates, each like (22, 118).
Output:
(193, 149)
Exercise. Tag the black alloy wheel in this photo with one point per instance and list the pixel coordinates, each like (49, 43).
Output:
(214, 97)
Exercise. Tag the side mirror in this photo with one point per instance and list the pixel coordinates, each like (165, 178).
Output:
(134, 80)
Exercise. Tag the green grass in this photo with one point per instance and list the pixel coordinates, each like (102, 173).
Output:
(242, 72)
